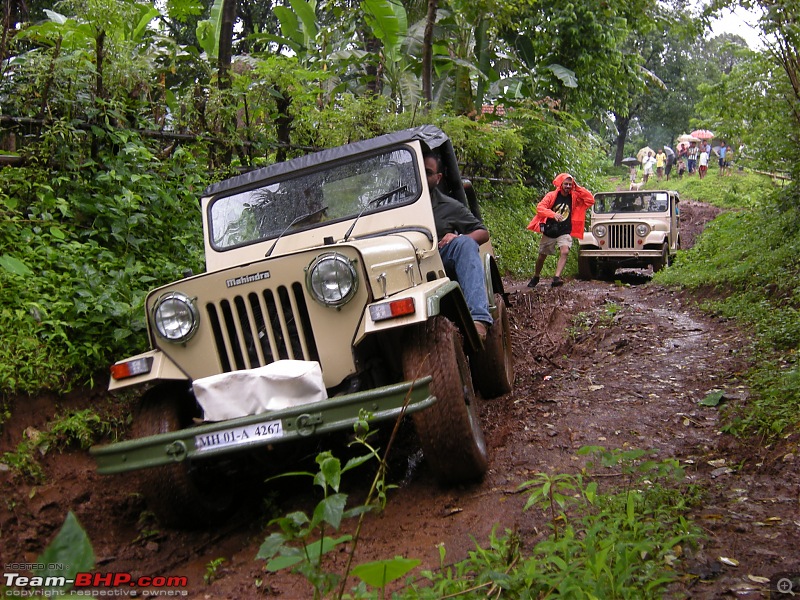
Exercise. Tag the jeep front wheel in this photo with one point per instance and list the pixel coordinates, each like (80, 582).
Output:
(587, 267)
(663, 260)
(493, 367)
(449, 431)
(180, 494)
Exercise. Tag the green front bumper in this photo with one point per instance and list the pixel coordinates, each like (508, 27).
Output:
(335, 414)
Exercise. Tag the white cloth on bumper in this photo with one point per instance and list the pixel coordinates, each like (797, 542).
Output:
(278, 385)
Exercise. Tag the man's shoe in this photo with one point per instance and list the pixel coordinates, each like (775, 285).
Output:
(557, 281)
(482, 330)
(534, 280)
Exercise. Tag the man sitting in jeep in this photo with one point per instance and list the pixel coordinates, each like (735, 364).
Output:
(460, 234)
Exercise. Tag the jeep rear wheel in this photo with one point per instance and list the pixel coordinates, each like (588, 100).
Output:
(180, 494)
(449, 431)
(493, 367)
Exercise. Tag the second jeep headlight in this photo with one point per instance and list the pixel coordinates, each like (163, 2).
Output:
(175, 317)
(599, 231)
(642, 230)
(332, 279)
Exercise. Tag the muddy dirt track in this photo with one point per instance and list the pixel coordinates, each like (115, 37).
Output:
(615, 364)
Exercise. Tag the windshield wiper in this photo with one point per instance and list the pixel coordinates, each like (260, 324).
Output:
(292, 224)
(382, 197)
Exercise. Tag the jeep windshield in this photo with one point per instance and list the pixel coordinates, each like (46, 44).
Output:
(315, 198)
(646, 202)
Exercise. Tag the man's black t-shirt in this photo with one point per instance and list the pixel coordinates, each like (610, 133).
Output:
(563, 206)
(451, 216)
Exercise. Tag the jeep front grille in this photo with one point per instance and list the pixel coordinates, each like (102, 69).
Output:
(259, 328)
(621, 237)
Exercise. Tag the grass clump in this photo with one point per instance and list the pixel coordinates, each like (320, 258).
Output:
(75, 429)
(622, 544)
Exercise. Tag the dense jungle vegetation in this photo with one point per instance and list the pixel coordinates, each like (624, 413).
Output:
(116, 114)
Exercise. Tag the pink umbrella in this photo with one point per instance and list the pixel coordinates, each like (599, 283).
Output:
(703, 134)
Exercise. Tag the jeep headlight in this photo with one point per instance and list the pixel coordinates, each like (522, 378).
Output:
(599, 231)
(642, 230)
(175, 317)
(332, 279)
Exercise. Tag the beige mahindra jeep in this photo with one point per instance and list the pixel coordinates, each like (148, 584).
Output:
(324, 298)
(630, 229)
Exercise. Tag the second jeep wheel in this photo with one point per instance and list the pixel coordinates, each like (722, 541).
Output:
(587, 267)
(180, 494)
(449, 431)
(493, 368)
(663, 260)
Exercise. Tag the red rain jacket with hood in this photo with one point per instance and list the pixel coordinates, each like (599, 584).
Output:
(582, 199)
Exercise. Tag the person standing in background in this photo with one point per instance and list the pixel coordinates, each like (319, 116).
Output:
(691, 157)
(702, 169)
(661, 162)
(647, 165)
(670, 161)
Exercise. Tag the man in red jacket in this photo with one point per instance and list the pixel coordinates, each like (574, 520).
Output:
(564, 210)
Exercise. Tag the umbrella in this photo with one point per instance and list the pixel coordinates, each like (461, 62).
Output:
(669, 151)
(688, 138)
(703, 134)
(641, 154)
(630, 161)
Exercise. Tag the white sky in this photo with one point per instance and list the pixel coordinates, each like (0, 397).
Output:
(742, 23)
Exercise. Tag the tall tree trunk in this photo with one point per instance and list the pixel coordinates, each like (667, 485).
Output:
(225, 56)
(464, 103)
(374, 70)
(227, 19)
(427, 54)
(623, 123)
(482, 59)
(283, 101)
(99, 92)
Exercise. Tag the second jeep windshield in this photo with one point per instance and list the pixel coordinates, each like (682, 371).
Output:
(315, 198)
(635, 203)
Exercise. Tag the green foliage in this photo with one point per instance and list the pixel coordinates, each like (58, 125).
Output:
(212, 570)
(507, 217)
(71, 550)
(78, 429)
(92, 243)
(379, 573)
(81, 429)
(302, 541)
(744, 189)
(299, 528)
(754, 89)
(23, 459)
(603, 545)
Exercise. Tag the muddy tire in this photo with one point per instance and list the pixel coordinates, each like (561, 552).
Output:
(587, 267)
(181, 494)
(449, 431)
(663, 260)
(493, 367)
